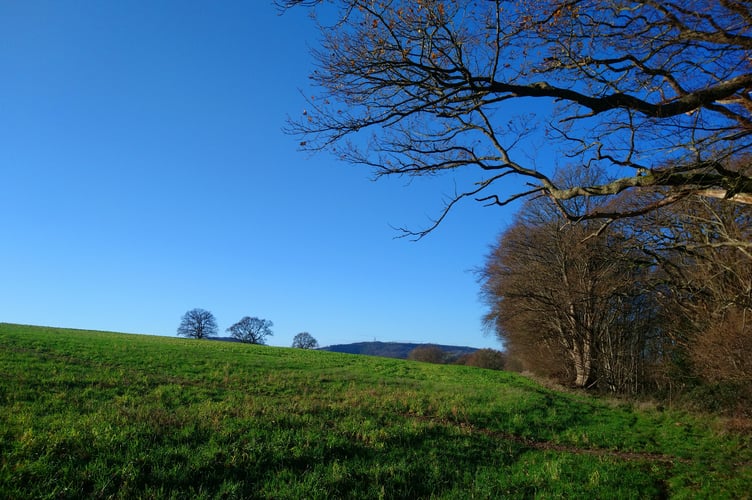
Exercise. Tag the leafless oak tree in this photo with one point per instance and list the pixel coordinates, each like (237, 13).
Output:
(654, 92)
(251, 330)
(198, 324)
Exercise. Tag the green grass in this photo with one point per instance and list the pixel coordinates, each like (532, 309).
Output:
(93, 414)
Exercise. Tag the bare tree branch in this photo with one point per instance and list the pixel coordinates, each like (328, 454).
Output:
(655, 92)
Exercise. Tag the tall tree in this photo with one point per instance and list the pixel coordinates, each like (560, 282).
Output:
(198, 324)
(656, 92)
(251, 330)
(569, 303)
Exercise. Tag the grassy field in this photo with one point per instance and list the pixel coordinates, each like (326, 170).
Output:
(92, 414)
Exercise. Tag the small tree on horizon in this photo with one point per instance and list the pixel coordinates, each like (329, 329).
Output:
(251, 330)
(198, 324)
(304, 340)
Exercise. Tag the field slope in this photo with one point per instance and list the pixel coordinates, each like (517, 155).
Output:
(93, 414)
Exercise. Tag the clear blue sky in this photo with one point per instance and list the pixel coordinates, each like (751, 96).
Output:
(144, 173)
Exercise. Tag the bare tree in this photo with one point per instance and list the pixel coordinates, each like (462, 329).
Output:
(567, 303)
(705, 247)
(198, 324)
(305, 340)
(251, 330)
(656, 92)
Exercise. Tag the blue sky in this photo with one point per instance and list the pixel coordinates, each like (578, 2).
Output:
(144, 173)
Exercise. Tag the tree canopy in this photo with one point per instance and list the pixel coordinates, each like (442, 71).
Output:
(654, 92)
(656, 302)
(197, 323)
(570, 303)
(251, 330)
(305, 340)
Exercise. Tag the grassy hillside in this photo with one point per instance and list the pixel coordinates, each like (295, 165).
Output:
(91, 414)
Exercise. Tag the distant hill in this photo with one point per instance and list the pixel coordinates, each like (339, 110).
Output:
(393, 349)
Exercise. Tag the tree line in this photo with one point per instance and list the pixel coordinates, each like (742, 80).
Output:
(660, 303)
(201, 324)
(482, 358)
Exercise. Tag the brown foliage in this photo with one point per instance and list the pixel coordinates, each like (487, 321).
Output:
(428, 354)
(708, 267)
(484, 358)
(723, 352)
(569, 302)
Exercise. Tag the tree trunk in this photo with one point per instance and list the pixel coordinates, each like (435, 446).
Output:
(582, 358)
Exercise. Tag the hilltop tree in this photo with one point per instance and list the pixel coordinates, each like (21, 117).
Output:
(304, 340)
(656, 92)
(198, 324)
(251, 330)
